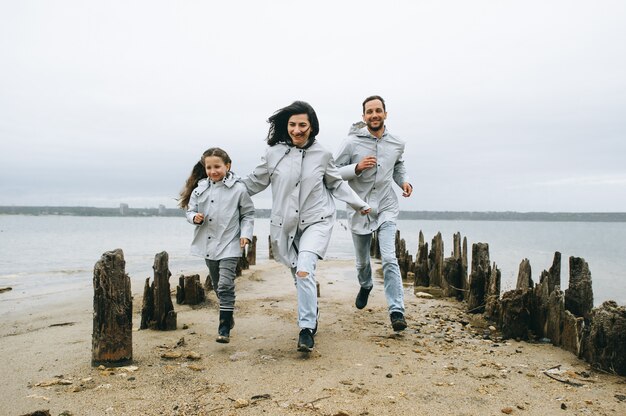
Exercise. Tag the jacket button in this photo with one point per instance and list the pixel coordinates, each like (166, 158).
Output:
(210, 219)
(211, 201)
(296, 210)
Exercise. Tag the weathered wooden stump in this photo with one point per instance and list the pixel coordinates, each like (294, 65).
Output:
(549, 281)
(492, 294)
(453, 278)
(579, 294)
(189, 290)
(524, 276)
(514, 319)
(251, 257)
(422, 271)
(269, 245)
(481, 271)
(604, 342)
(112, 339)
(159, 310)
(435, 261)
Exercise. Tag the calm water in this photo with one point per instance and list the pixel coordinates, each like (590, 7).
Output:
(45, 255)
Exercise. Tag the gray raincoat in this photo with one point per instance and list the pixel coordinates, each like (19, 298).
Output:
(228, 216)
(304, 182)
(374, 184)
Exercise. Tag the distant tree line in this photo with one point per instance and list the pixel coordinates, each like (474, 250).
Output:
(265, 213)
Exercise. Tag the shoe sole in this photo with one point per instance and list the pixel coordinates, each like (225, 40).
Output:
(222, 339)
(304, 348)
(398, 326)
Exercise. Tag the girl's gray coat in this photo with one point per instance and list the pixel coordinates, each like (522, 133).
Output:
(304, 182)
(228, 215)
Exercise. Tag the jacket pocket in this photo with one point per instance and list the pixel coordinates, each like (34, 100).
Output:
(276, 221)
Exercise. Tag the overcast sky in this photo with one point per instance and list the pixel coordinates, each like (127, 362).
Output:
(504, 105)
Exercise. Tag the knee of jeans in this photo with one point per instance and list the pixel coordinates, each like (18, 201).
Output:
(302, 274)
(362, 266)
(390, 259)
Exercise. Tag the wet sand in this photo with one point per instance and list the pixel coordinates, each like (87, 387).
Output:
(442, 364)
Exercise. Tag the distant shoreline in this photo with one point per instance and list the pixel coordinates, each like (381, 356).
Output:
(126, 211)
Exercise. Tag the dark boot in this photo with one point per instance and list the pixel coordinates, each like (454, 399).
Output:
(361, 297)
(226, 323)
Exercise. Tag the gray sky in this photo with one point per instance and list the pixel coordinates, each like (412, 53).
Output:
(504, 105)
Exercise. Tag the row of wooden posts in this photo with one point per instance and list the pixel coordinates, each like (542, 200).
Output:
(533, 310)
(539, 310)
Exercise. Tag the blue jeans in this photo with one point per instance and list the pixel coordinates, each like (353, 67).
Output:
(307, 289)
(394, 292)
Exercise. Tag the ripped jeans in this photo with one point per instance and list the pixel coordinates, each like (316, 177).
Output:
(307, 289)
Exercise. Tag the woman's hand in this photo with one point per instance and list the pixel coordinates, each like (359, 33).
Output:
(243, 242)
(198, 218)
(407, 189)
(365, 211)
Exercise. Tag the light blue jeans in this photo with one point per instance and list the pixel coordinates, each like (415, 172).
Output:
(394, 291)
(307, 289)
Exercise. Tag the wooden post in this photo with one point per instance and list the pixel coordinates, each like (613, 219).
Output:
(269, 246)
(252, 251)
(481, 271)
(112, 337)
(164, 315)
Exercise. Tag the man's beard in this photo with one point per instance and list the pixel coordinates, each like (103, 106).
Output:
(372, 128)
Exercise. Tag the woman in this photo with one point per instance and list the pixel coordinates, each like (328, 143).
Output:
(304, 180)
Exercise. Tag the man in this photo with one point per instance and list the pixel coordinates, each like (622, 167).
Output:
(370, 159)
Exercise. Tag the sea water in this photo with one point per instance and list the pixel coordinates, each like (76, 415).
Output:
(51, 255)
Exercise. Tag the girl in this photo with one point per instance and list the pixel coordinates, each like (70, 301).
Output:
(223, 213)
(304, 180)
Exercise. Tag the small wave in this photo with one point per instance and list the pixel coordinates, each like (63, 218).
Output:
(69, 271)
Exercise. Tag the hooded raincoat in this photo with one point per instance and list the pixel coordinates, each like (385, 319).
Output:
(304, 181)
(373, 185)
(228, 216)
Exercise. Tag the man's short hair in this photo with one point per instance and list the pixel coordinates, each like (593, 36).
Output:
(372, 98)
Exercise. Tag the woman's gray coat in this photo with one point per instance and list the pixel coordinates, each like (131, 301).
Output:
(304, 182)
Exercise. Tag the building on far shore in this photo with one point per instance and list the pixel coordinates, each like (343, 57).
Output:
(123, 209)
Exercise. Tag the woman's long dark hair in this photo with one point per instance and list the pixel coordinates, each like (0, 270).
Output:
(198, 172)
(278, 122)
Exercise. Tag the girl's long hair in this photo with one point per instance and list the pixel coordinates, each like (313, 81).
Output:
(198, 172)
(278, 122)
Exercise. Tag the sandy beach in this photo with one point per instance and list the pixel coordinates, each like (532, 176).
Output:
(446, 363)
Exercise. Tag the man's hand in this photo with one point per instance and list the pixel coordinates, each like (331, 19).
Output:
(365, 211)
(366, 163)
(243, 242)
(407, 189)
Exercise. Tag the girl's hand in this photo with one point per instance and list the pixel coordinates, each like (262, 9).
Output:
(243, 241)
(198, 218)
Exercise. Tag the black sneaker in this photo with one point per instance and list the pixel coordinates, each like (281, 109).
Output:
(397, 321)
(361, 298)
(305, 340)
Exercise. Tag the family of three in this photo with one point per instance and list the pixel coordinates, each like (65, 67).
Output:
(304, 178)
